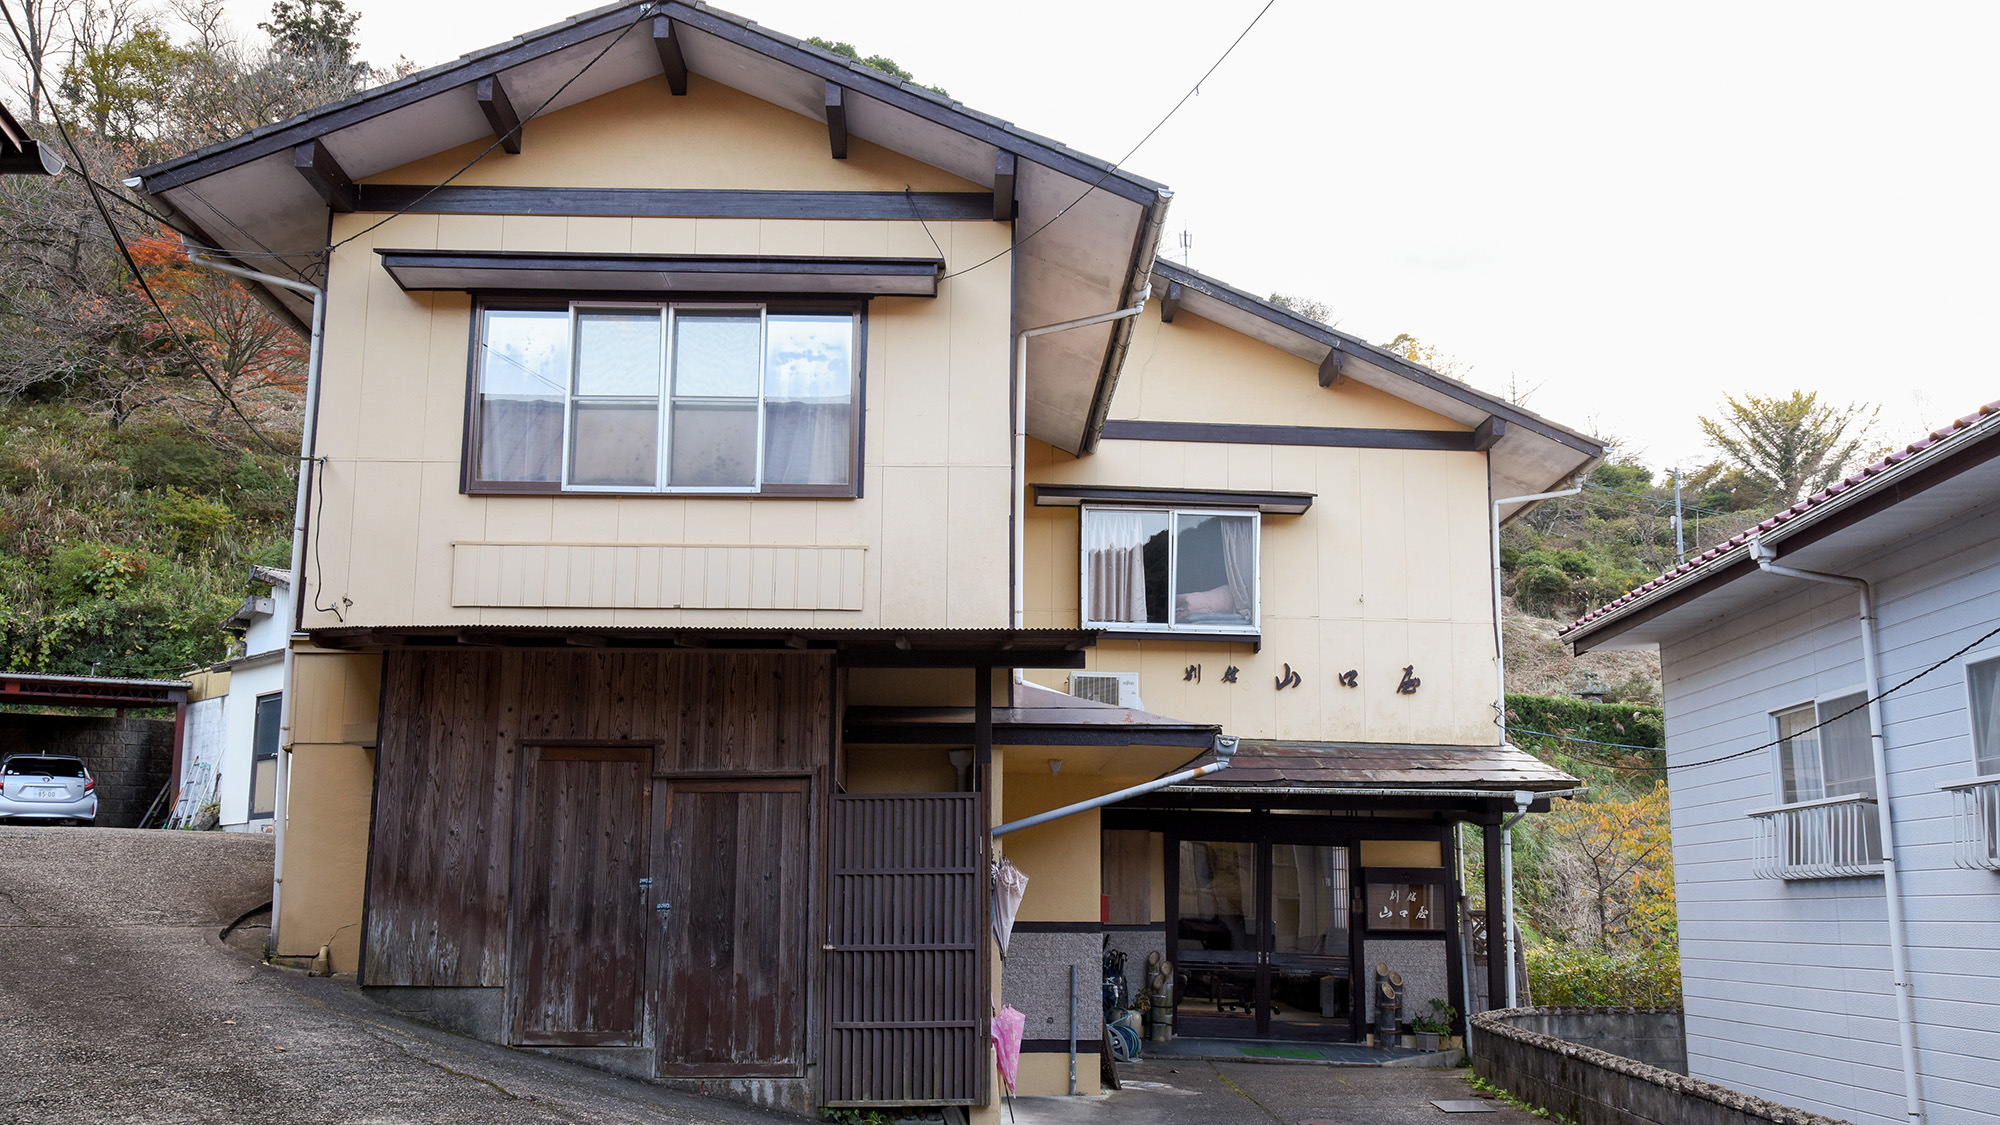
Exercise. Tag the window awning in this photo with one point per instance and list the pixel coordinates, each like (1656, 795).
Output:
(421, 270)
(1269, 503)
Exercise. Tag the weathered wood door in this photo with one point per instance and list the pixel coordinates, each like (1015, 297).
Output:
(582, 907)
(907, 924)
(735, 873)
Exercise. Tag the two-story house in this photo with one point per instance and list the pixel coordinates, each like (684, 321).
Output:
(1832, 678)
(724, 457)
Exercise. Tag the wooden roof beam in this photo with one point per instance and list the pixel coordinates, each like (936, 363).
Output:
(836, 120)
(326, 176)
(1329, 368)
(1170, 303)
(1489, 434)
(1003, 186)
(499, 111)
(672, 64)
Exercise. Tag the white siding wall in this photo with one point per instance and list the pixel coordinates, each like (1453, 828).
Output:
(240, 725)
(1788, 985)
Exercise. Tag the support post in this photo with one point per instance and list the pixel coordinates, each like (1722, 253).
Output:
(1496, 919)
(836, 120)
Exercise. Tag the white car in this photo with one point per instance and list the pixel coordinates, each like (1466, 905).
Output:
(47, 787)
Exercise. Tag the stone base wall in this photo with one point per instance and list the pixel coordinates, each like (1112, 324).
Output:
(130, 758)
(1591, 1086)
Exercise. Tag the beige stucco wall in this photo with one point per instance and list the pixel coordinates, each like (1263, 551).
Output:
(929, 535)
(1388, 569)
(332, 783)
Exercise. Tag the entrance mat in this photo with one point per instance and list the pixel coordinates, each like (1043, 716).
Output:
(1283, 1053)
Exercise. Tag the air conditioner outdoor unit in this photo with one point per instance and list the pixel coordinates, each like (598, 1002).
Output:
(1120, 689)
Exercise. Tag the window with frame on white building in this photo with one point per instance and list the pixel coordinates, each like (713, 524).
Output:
(1827, 826)
(1170, 570)
(1976, 800)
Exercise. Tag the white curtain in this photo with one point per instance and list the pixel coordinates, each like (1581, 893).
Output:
(1239, 563)
(1114, 545)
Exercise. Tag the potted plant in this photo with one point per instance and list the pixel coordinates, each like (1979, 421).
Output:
(1434, 1026)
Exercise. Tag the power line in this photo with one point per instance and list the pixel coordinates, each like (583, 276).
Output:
(125, 252)
(503, 138)
(1982, 639)
(1117, 165)
(1669, 503)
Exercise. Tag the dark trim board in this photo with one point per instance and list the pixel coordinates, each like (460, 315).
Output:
(1084, 1044)
(1087, 927)
(535, 271)
(1270, 503)
(676, 203)
(1345, 437)
(1022, 734)
(1254, 640)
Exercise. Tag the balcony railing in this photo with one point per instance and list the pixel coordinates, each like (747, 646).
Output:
(1834, 838)
(1975, 823)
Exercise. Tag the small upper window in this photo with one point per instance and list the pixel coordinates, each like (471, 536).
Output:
(1982, 685)
(1823, 750)
(666, 398)
(1170, 570)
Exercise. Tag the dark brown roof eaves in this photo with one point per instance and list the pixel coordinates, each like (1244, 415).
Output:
(1264, 763)
(1938, 443)
(1380, 357)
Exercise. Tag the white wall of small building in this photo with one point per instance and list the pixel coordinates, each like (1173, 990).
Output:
(1788, 988)
(240, 726)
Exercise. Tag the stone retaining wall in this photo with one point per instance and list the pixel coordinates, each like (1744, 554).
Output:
(130, 757)
(1590, 1086)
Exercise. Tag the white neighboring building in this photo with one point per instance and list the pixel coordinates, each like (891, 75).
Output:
(1778, 836)
(231, 755)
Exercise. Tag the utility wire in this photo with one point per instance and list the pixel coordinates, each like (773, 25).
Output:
(1982, 639)
(138, 275)
(1116, 165)
(644, 11)
(1669, 503)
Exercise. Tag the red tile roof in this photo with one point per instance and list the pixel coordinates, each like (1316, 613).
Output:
(1927, 442)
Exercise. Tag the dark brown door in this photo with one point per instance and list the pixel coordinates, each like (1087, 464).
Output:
(734, 874)
(906, 924)
(581, 902)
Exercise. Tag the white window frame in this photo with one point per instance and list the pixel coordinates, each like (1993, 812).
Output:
(1779, 751)
(1169, 628)
(1983, 656)
(669, 313)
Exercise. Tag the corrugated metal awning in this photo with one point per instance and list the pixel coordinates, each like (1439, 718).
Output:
(1266, 764)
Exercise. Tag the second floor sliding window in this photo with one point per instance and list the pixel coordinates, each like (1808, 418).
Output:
(1823, 750)
(676, 398)
(1170, 570)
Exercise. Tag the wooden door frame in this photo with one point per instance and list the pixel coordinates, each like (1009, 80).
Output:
(664, 785)
(532, 755)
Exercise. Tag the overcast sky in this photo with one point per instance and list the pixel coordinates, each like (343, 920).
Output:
(1631, 210)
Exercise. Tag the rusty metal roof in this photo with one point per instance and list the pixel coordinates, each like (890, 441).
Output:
(1268, 763)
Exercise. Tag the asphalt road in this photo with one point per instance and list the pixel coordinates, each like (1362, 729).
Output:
(118, 1003)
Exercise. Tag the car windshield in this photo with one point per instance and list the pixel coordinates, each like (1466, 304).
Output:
(53, 767)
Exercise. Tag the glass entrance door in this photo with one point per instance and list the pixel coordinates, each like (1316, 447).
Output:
(1261, 940)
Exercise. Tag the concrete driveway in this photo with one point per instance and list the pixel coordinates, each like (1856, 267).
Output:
(118, 1004)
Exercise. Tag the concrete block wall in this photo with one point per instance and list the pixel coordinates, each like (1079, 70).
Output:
(1590, 1086)
(131, 758)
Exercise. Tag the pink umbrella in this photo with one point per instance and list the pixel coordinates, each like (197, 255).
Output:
(1007, 1028)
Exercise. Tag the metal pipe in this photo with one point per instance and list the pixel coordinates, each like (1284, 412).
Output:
(1522, 800)
(1892, 890)
(1225, 749)
(314, 358)
(1072, 1030)
(1021, 338)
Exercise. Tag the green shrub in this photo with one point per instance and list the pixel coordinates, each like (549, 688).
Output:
(158, 459)
(1561, 974)
(1543, 588)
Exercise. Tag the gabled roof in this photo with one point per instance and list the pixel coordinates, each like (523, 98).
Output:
(1945, 466)
(245, 194)
(1532, 454)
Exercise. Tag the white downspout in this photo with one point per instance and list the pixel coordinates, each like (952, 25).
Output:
(1500, 721)
(1021, 338)
(1521, 802)
(282, 810)
(1892, 890)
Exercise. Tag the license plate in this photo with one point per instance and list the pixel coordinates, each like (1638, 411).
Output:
(44, 791)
